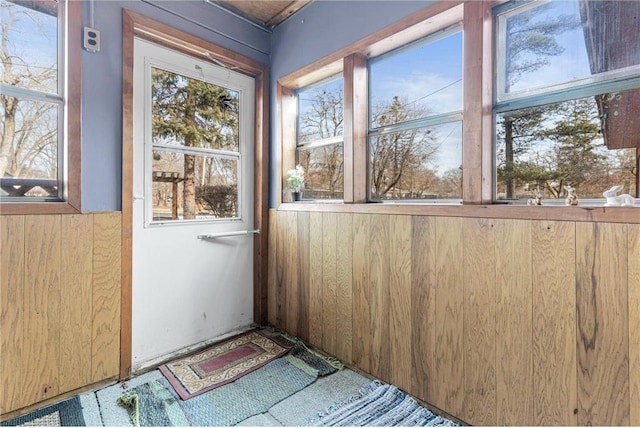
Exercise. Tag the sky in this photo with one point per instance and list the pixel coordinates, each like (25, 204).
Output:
(571, 64)
(427, 75)
(33, 37)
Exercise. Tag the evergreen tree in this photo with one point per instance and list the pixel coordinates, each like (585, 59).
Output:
(193, 113)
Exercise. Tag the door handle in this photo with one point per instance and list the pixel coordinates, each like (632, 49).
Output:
(225, 234)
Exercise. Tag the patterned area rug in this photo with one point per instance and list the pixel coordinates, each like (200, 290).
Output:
(156, 403)
(379, 405)
(221, 364)
(64, 414)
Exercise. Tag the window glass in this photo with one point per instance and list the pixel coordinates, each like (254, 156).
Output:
(32, 102)
(320, 111)
(564, 144)
(215, 185)
(323, 168)
(570, 75)
(196, 157)
(415, 126)
(421, 163)
(193, 113)
(423, 79)
(560, 42)
(319, 139)
(32, 44)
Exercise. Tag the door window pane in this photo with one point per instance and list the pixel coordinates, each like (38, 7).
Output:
(189, 186)
(193, 113)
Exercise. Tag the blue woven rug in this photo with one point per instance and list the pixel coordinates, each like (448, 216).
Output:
(64, 414)
(379, 405)
(157, 404)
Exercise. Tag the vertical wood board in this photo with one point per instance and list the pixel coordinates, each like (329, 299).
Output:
(291, 283)
(12, 266)
(514, 312)
(400, 304)
(423, 309)
(273, 267)
(315, 279)
(634, 324)
(379, 363)
(41, 308)
(554, 323)
(303, 275)
(479, 261)
(449, 379)
(329, 283)
(361, 297)
(603, 337)
(281, 255)
(105, 345)
(344, 277)
(76, 278)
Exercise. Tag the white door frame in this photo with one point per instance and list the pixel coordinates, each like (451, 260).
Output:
(146, 28)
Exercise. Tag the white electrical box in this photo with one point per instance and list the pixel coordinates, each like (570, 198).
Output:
(91, 39)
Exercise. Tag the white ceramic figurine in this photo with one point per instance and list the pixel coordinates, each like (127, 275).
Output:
(613, 200)
(572, 199)
(537, 197)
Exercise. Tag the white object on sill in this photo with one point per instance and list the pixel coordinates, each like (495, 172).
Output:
(613, 200)
(572, 198)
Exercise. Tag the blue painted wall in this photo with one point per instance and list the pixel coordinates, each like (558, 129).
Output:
(102, 82)
(319, 29)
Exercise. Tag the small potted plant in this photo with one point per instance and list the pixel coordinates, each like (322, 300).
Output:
(295, 180)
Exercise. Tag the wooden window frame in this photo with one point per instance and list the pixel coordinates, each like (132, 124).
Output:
(73, 125)
(477, 185)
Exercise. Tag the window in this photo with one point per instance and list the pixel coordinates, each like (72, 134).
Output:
(320, 139)
(196, 155)
(567, 99)
(415, 120)
(40, 111)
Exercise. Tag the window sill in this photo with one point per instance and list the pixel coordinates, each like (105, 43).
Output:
(553, 213)
(11, 208)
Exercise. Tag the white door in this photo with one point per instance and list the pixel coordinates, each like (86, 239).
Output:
(193, 176)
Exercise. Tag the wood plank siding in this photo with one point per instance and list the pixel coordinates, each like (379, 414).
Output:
(494, 321)
(60, 302)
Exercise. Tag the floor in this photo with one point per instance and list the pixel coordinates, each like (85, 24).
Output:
(100, 408)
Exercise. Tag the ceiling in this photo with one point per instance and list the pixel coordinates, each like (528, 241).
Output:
(266, 13)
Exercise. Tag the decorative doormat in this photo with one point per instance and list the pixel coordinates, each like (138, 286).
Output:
(64, 414)
(221, 364)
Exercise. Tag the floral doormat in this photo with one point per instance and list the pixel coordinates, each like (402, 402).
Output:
(221, 364)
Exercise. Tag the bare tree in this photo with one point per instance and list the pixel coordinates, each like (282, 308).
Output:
(324, 166)
(398, 154)
(29, 129)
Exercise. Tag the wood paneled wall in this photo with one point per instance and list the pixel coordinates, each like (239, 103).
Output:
(494, 321)
(60, 304)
